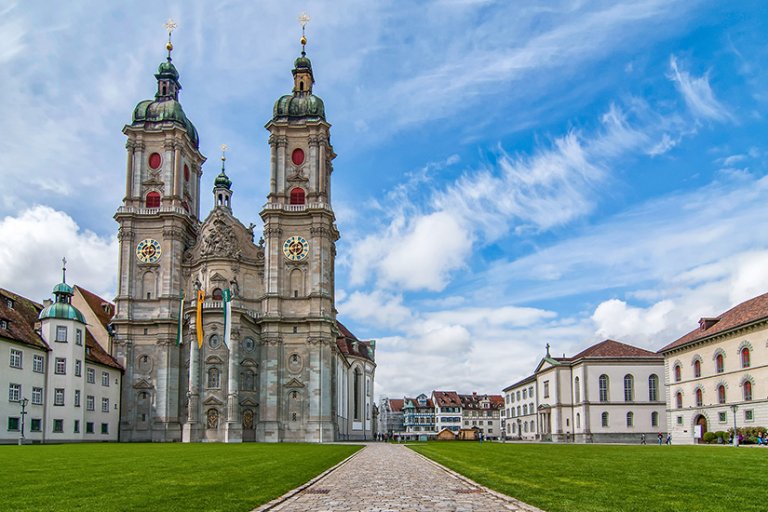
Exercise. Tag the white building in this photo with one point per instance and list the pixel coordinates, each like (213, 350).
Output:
(610, 392)
(717, 371)
(71, 384)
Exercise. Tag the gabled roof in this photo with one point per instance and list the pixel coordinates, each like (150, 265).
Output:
(446, 398)
(21, 319)
(349, 345)
(103, 309)
(753, 310)
(474, 401)
(527, 380)
(395, 404)
(95, 354)
(613, 349)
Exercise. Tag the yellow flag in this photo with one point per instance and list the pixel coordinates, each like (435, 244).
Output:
(199, 324)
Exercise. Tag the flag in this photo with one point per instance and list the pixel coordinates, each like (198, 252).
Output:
(181, 320)
(199, 324)
(227, 303)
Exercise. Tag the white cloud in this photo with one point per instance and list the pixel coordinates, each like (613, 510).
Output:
(34, 243)
(698, 94)
(377, 308)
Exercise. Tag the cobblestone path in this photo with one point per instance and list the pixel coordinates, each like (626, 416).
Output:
(385, 477)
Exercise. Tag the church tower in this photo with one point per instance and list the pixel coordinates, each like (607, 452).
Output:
(298, 327)
(158, 220)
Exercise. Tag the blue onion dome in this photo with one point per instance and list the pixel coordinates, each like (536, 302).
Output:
(222, 181)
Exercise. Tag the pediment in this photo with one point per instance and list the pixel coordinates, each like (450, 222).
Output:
(216, 277)
(249, 363)
(214, 360)
(294, 383)
(212, 400)
(142, 384)
(249, 403)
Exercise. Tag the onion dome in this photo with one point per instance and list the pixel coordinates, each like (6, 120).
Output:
(166, 107)
(62, 308)
(222, 181)
(302, 103)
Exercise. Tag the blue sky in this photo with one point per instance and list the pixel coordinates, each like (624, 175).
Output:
(510, 174)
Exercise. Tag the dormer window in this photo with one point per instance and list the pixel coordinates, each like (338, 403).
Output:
(9, 303)
(4, 324)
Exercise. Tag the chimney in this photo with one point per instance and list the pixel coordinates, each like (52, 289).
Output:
(47, 302)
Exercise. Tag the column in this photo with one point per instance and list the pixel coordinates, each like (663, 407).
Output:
(191, 429)
(233, 431)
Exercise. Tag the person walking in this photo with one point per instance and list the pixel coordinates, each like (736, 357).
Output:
(642, 438)
(661, 438)
(669, 438)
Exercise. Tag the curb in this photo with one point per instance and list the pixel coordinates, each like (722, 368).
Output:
(293, 492)
(519, 504)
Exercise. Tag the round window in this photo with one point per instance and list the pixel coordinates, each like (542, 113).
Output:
(213, 341)
(297, 157)
(155, 160)
(249, 344)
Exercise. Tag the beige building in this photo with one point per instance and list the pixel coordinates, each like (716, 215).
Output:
(718, 373)
(277, 366)
(68, 385)
(610, 392)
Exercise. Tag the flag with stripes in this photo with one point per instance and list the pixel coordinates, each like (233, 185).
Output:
(227, 303)
(199, 319)
(181, 319)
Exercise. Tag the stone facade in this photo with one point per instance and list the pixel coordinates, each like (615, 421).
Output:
(610, 392)
(717, 373)
(290, 372)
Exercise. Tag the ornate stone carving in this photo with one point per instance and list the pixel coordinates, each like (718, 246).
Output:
(124, 233)
(213, 419)
(221, 241)
(248, 419)
(173, 233)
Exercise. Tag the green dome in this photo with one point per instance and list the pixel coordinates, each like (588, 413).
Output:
(167, 70)
(309, 106)
(64, 289)
(63, 311)
(157, 111)
(222, 181)
(302, 63)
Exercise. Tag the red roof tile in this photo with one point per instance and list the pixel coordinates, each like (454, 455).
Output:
(742, 314)
(95, 354)
(613, 349)
(349, 345)
(103, 309)
(21, 319)
(396, 404)
(446, 398)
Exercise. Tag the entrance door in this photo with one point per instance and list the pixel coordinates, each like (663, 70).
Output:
(701, 423)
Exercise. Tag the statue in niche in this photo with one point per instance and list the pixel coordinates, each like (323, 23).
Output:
(250, 230)
(248, 419)
(235, 287)
(213, 419)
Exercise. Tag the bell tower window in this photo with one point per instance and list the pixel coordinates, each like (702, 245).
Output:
(297, 196)
(153, 200)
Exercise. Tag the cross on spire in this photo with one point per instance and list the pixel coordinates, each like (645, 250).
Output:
(548, 350)
(224, 149)
(303, 20)
(170, 25)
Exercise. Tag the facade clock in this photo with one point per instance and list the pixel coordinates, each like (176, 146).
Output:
(296, 248)
(148, 251)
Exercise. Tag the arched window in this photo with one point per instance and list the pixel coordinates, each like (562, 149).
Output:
(605, 419)
(699, 398)
(678, 373)
(525, 426)
(518, 410)
(697, 368)
(745, 357)
(654, 419)
(514, 428)
(747, 390)
(679, 400)
(629, 391)
(214, 378)
(576, 390)
(297, 195)
(525, 409)
(721, 394)
(630, 419)
(217, 294)
(356, 390)
(578, 420)
(603, 388)
(653, 387)
(533, 427)
(153, 200)
(719, 363)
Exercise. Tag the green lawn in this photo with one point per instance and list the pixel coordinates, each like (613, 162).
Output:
(592, 478)
(166, 477)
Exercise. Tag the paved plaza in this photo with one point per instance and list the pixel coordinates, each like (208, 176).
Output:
(388, 477)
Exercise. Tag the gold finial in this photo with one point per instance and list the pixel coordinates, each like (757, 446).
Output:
(303, 19)
(170, 26)
(224, 149)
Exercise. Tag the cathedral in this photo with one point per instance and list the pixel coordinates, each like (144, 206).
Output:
(224, 337)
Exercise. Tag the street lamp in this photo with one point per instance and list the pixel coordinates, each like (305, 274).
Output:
(23, 403)
(734, 407)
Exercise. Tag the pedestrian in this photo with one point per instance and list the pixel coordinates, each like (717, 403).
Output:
(661, 437)
(669, 438)
(642, 438)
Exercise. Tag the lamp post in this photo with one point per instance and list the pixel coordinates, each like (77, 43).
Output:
(734, 407)
(23, 403)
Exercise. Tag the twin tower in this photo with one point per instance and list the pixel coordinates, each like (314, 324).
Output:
(290, 372)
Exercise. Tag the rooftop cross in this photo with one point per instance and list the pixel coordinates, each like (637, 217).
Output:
(303, 20)
(170, 25)
(63, 270)
(224, 149)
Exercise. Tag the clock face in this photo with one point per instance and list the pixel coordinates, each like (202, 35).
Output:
(148, 251)
(296, 248)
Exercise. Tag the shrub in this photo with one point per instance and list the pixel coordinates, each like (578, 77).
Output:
(709, 437)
